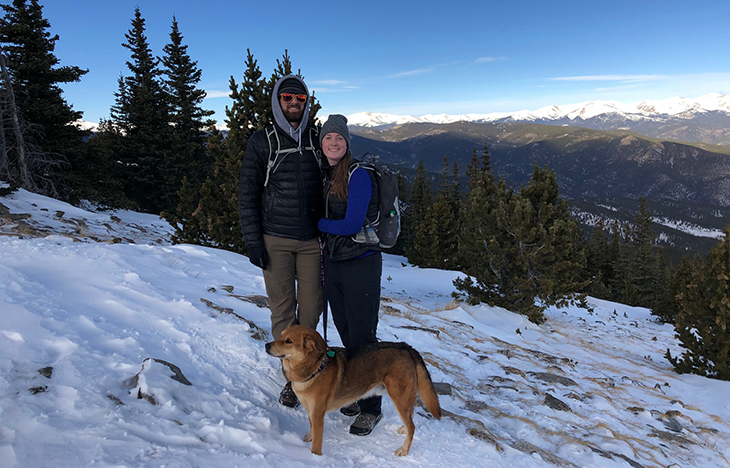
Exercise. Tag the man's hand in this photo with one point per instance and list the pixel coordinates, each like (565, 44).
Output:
(258, 256)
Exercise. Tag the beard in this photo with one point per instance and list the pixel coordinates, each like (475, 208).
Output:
(293, 114)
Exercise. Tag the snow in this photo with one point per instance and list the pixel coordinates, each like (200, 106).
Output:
(107, 316)
(585, 110)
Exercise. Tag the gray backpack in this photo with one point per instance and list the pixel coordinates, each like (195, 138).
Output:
(382, 231)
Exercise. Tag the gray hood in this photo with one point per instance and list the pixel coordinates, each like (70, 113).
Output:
(279, 115)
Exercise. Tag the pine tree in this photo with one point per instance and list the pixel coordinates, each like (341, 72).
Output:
(703, 317)
(597, 262)
(420, 199)
(435, 244)
(479, 241)
(646, 268)
(534, 256)
(36, 77)
(142, 114)
(667, 306)
(182, 75)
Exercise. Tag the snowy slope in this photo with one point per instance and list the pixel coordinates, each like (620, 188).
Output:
(644, 110)
(81, 319)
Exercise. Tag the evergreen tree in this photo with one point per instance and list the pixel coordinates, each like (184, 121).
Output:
(435, 244)
(36, 76)
(598, 262)
(419, 200)
(667, 306)
(536, 261)
(182, 75)
(646, 268)
(142, 113)
(703, 317)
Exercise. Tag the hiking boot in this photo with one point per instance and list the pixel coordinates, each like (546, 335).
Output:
(365, 423)
(287, 397)
(353, 409)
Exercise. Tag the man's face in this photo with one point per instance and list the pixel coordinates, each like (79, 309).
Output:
(292, 107)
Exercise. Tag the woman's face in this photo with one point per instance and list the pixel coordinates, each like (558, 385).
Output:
(334, 147)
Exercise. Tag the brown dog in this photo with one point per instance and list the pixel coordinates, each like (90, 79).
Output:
(327, 379)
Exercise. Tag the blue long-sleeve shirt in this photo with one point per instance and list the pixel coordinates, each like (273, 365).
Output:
(359, 191)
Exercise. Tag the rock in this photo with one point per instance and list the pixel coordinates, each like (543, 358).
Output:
(635, 409)
(115, 400)
(669, 437)
(552, 378)
(556, 404)
(259, 301)
(46, 372)
(257, 333)
(528, 448)
(227, 288)
(37, 390)
(443, 388)
(428, 330)
(177, 373)
(512, 370)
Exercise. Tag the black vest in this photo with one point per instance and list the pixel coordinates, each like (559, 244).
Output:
(339, 248)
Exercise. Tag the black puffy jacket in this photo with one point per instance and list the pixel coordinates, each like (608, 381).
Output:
(291, 204)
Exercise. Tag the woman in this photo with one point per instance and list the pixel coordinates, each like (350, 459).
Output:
(351, 270)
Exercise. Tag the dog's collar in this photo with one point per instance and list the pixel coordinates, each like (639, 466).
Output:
(321, 366)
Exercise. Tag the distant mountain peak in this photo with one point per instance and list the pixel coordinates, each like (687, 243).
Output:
(675, 107)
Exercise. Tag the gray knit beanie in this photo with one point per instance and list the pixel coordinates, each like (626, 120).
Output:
(336, 123)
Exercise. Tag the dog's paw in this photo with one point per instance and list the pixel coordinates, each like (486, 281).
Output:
(307, 437)
(401, 452)
(402, 430)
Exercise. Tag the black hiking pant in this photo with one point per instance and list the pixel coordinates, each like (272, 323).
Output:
(352, 289)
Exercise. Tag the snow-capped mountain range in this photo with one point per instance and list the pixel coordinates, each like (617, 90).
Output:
(675, 107)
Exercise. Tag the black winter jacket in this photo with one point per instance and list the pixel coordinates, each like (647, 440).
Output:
(291, 204)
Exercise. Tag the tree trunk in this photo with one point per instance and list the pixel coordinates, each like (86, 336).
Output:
(25, 180)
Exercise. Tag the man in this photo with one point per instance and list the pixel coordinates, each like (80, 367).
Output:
(280, 202)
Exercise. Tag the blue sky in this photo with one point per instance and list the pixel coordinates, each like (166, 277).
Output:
(407, 57)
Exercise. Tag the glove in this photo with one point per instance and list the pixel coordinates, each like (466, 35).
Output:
(258, 256)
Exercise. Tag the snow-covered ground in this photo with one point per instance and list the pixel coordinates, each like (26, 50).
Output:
(93, 327)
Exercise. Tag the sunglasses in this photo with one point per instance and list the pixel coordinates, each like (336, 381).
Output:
(287, 97)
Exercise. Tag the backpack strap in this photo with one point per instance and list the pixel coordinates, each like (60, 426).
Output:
(273, 162)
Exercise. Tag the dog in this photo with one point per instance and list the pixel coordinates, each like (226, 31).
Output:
(326, 379)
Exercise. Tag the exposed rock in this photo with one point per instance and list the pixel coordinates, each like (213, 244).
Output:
(259, 301)
(636, 409)
(475, 406)
(528, 448)
(556, 404)
(669, 437)
(428, 330)
(46, 372)
(115, 399)
(612, 455)
(475, 428)
(177, 374)
(37, 390)
(227, 288)
(513, 370)
(443, 388)
(257, 333)
(552, 378)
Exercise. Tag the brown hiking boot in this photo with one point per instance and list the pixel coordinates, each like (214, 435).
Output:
(287, 397)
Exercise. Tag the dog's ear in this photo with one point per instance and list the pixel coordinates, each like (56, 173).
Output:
(314, 343)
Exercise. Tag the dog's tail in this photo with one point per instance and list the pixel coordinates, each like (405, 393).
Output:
(425, 386)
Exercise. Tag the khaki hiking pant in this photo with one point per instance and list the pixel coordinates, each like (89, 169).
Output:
(293, 279)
